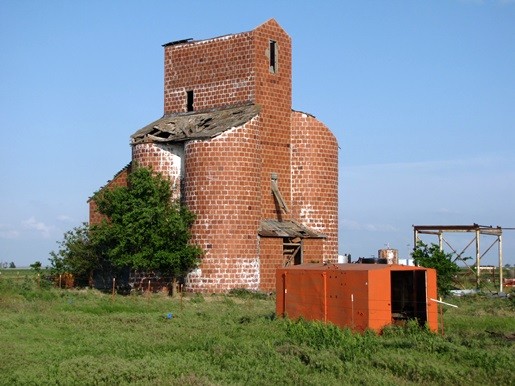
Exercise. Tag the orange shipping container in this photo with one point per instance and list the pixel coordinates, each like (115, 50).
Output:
(358, 296)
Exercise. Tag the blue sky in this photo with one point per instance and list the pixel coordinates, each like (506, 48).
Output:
(421, 96)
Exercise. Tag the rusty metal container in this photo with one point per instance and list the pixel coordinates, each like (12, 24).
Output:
(390, 255)
(358, 296)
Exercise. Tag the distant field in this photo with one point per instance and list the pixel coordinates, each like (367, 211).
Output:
(16, 273)
(83, 337)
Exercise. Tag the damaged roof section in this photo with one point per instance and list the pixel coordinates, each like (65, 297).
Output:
(275, 228)
(202, 125)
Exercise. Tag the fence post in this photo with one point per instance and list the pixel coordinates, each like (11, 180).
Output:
(174, 286)
(180, 289)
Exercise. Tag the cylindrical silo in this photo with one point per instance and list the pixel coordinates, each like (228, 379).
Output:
(222, 188)
(314, 159)
(163, 158)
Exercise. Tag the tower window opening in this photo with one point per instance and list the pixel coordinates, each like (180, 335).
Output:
(189, 100)
(273, 56)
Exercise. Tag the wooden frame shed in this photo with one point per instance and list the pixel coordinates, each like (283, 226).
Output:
(358, 296)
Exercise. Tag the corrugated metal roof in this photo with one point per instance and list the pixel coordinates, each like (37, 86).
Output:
(195, 125)
(275, 228)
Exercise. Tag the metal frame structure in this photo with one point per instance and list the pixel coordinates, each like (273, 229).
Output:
(477, 230)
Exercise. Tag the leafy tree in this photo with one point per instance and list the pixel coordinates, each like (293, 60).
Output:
(144, 228)
(12, 265)
(76, 254)
(432, 257)
(36, 266)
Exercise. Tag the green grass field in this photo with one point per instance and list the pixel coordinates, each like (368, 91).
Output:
(14, 273)
(82, 337)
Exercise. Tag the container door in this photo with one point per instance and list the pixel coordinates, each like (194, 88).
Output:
(408, 295)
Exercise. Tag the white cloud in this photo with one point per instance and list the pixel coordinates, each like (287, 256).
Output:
(64, 218)
(367, 227)
(39, 226)
(6, 232)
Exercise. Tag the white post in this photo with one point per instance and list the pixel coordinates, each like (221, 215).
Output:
(500, 265)
(352, 308)
(478, 259)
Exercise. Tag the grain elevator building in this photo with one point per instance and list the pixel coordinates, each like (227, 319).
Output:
(261, 178)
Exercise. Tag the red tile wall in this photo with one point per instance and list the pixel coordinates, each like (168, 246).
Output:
(315, 179)
(234, 70)
(219, 71)
(120, 179)
(222, 188)
(273, 94)
(271, 258)
(313, 251)
(165, 159)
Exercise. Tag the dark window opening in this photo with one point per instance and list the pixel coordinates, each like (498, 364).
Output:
(408, 296)
(189, 100)
(273, 56)
(292, 251)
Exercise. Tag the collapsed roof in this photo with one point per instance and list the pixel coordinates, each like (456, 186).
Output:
(275, 228)
(179, 127)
